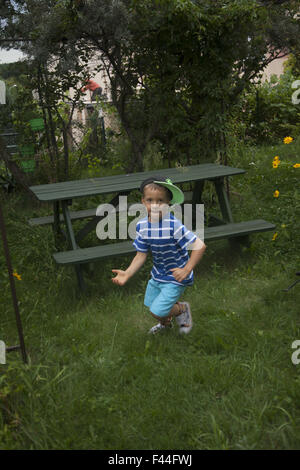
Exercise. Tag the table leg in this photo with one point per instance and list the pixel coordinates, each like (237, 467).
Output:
(227, 214)
(72, 241)
(91, 225)
(197, 198)
(57, 230)
(197, 192)
(223, 200)
(56, 224)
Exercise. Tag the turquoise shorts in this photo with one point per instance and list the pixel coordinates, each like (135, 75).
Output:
(161, 296)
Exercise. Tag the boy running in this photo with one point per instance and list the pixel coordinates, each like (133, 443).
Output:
(167, 239)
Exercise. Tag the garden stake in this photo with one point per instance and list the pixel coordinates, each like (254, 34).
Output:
(13, 291)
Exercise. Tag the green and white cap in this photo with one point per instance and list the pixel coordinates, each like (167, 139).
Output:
(177, 194)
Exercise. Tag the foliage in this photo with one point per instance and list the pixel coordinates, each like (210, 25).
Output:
(20, 106)
(187, 87)
(87, 386)
(266, 112)
(54, 67)
(273, 182)
(180, 94)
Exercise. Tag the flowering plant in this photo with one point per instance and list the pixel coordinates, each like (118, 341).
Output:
(275, 164)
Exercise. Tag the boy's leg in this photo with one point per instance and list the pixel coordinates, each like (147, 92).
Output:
(164, 306)
(153, 291)
(182, 312)
(184, 319)
(164, 321)
(176, 310)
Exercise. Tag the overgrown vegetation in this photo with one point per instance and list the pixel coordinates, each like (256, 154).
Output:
(96, 380)
(266, 112)
(180, 95)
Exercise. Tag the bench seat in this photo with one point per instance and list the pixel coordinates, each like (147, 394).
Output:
(87, 255)
(75, 215)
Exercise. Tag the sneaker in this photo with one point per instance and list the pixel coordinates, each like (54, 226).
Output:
(184, 320)
(159, 327)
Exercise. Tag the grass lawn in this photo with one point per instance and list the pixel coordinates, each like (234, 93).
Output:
(96, 379)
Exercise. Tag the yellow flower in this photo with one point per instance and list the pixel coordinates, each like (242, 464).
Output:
(274, 236)
(276, 162)
(276, 193)
(288, 140)
(17, 276)
(297, 165)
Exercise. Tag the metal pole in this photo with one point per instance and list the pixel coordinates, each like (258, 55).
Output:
(13, 289)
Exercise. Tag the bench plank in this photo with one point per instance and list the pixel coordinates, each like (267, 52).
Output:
(86, 255)
(75, 215)
(237, 229)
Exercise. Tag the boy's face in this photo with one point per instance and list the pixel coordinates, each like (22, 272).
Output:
(156, 201)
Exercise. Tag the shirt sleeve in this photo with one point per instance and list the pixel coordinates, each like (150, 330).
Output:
(183, 236)
(139, 243)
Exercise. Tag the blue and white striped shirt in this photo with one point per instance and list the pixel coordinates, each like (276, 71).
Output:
(167, 240)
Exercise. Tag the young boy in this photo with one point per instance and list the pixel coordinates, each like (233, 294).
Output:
(167, 238)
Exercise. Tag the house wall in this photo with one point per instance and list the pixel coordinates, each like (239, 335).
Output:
(275, 67)
(81, 116)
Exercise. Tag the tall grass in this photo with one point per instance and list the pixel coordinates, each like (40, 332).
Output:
(96, 379)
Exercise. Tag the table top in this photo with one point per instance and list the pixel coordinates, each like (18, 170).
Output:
(117, 183)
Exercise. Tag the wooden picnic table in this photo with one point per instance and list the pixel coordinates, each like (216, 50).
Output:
(62, 194)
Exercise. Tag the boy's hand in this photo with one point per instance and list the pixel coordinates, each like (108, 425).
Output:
(198, 249)
(180, 273)
(121, 277)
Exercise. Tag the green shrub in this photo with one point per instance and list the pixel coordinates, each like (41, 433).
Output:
(266, 113)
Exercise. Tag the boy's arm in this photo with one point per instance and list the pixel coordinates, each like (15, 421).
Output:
(136, 263)
(123, 276)
(198, 248)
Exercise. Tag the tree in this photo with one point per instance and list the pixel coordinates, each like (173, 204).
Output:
(200, 56)
(176, 67)
(56, 65)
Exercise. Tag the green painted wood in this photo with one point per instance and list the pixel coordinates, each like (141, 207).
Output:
(91, 225)
(37, 124)
(56, 221)
(223, 200)
(72, 242)
(117, 183)
(237, 229)
(87, 255)
(197, 193)
(28, 166)
(82, 214)
(75, 215)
